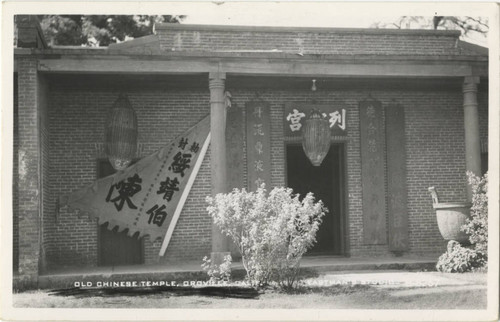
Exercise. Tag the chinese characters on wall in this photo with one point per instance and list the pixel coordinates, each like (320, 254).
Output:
(295, 116)
(258, 144)
(373, 172)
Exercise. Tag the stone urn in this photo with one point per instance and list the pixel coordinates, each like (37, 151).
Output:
(451, 217)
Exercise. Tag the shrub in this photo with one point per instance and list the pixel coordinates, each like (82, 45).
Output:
(272, 231)
(218, 273)
(477, 226)
(459, 259)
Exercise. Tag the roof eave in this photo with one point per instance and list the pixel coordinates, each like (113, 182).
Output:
(92, 52)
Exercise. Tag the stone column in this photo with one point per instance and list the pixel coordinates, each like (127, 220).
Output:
(220, 244)
(471, 124)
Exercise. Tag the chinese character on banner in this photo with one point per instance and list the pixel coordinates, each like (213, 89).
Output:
(183, 143)
(157, 215)
(257, 111)
(372, 129)
(337, 118)
(126, 190)
(259, 182)
(259, 147)
(194, 147)
(294, 119)
(258, 129)
(180, 163)
(168, 187)
(372, 145)
(259, 165)
(258, 143)
(373, 161)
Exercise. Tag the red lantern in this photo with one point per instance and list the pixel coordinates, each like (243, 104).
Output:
(121, 133)
(316, 138)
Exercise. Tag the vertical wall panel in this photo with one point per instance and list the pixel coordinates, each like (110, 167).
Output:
(235, 135)
(258, 144)
(396, 178)
(373, 172)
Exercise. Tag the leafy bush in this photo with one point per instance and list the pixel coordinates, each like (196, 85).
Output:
(220, 273)
(477, 225)
(272, 231)
(459, 259)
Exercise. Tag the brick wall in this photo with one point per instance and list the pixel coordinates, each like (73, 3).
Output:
(308, 41)
(435, 148)
(77, 125)
(435, 155)
(435, 151)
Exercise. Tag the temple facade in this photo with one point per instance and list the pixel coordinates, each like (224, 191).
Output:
(407, 109)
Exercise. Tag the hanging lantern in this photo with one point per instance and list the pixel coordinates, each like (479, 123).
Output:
(121, 133)
(316, 138)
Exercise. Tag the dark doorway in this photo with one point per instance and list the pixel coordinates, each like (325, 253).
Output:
(326, 182)
(484, 163)
(116, 248)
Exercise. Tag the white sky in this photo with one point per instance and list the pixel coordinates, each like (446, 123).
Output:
(276, 14)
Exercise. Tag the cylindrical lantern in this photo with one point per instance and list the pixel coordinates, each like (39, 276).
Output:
(121, 133)
(316, 138)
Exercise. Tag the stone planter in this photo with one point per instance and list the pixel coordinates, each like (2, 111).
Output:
(451, 217)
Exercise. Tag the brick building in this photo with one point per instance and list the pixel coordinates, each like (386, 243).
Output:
(429, 90)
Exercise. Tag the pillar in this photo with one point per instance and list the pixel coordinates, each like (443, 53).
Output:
(32, 146)
(220, 243)
(28, 176)
(471, 124)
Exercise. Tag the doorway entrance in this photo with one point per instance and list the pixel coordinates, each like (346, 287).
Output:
(327, 184)
(116, 248)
